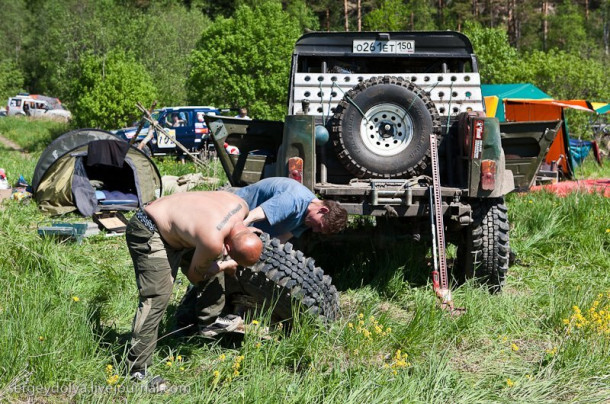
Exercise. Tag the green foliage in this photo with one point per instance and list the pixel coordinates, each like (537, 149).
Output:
(64, 31)
(43, 42)
(498, 61)
(566, 76)
(392, 15)
(245, 61)
(162, 40)
(397, 15)
(14, 29)
(11, 79)
(299, 10)
(108, 89)
(567, 29)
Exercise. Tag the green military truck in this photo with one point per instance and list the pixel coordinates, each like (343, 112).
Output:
(361, 109)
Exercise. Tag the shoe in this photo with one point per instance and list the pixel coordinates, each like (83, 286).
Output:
(156, 385)
(229, 323)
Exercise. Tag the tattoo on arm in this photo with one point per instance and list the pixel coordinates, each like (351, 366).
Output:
(228, 216)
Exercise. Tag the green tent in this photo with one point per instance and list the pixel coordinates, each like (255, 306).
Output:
(524, 91)
(91, 170)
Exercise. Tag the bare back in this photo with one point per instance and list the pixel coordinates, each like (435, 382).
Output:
(197, 219)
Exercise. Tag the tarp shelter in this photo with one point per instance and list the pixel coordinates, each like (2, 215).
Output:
(495, 94)
(526, 102)
(91, 170)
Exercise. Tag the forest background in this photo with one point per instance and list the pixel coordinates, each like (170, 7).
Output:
(101, 56)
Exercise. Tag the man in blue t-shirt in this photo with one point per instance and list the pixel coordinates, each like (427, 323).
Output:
(284, 208)
(279, 206)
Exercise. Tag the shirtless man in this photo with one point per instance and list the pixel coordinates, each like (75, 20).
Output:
(211, 223)
(279, 206)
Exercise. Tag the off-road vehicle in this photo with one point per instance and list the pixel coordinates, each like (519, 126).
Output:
(37, 106)
(184, 124)
(361, 109)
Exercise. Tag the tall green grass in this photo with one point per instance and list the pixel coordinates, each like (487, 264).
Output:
(66, 311)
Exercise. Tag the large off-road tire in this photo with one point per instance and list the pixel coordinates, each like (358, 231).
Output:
(283, 278)
(483, 250)
(382, 127)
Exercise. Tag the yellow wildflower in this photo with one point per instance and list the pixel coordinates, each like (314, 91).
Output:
(168, 364)
(179, 358)
(112, 380)
(222, 357)
(510, 383)
(75, 299)
(514, 347)
(350, 325)
(40, 338)
(254, 322)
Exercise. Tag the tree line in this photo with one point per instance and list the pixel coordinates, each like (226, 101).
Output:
(102, 56)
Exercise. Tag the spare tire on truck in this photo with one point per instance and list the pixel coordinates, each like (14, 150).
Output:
(284, 279)
(382, 127)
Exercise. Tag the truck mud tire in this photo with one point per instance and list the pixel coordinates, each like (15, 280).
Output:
(382, 127)
(284, 279)
(483, 250)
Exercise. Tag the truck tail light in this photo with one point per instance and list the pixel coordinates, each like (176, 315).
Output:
(202, 131)
(295, 169)
(488, 175)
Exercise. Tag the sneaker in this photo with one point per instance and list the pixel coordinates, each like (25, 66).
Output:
(228, 323)
(156, 385)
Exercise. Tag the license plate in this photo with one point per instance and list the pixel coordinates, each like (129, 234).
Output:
(164, 141)
(383, 47)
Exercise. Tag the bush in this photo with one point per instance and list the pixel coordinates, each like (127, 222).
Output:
(245, 61)
(108, 89)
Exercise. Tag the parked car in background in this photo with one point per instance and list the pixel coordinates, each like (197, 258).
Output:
(129, 132)
(38, 106)
(185, 124)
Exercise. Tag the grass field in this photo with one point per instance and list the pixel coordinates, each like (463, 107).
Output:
(66, 312)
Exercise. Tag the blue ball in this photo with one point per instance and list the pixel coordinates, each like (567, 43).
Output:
(322, 135)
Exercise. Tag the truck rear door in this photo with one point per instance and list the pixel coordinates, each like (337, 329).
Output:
(525, 146)
(254, 146)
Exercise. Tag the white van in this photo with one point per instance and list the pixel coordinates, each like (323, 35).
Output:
(38, 106)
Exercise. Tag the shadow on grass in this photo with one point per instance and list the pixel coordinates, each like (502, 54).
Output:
(358, 260)
(185, 340)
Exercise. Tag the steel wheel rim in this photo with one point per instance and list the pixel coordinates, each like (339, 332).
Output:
(386, 129)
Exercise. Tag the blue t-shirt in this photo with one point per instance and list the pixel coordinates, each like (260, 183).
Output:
(284, 202)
